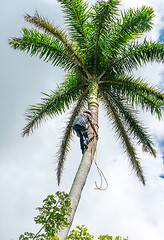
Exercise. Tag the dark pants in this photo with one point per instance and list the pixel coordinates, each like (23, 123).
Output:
(83, 134)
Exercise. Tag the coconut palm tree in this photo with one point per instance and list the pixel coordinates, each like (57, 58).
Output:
(98, 49)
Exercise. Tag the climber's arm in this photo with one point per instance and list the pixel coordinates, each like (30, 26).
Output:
(93, 127)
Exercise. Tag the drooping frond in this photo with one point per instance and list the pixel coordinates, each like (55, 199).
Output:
(132, 24)
(102, 16)
(49, 49)
(70, 48)
(67, 134)
(76, 15)
(129, 116)
(123, 135)
(54, 103)
(137, 92)
(136, 54)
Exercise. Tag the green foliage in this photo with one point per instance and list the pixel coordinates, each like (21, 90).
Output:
(54, 103)
(80, 233)
(69, 48)
(76, 14)
(132, 24)
(26, 236)
(136, 54)
(133, 125)
(43, 45)
(31, 236)
(53, 213)
(124, 136)
(136, 92)
(52, 216)
(103, 14)
(107, 237)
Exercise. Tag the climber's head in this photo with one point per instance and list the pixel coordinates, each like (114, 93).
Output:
(88, 112)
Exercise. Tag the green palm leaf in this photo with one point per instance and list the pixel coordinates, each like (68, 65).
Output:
(36, 43)
(123, 135)
(55, 103)
(136, 54)
(56, 32)
(137, 92)
(134, 127)
(132, 23)
(102, 16)
(67, 134)
(76, 15)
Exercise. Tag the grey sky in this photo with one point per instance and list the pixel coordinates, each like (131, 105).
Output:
(27, 165)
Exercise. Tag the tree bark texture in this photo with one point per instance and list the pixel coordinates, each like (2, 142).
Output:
(83, 171)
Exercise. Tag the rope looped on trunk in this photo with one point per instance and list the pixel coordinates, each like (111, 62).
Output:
(102, 176)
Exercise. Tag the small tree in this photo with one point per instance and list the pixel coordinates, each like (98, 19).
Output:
(52, 216)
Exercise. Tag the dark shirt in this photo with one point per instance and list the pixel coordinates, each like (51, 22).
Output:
(83, 119)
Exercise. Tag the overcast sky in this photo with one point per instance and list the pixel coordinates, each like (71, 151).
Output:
(27, 165)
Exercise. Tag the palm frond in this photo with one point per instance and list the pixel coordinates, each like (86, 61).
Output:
(123, 135)
(76, 14)
(67, 134)
(136, 54)
(55, 103)
(47, 26)
(102, 16)
(134, 127)
(132, 24)
(137, 92)
(42, 23)
(49, 49)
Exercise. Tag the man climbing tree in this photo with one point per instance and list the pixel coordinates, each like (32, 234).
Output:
(99, 52)
(80, 125)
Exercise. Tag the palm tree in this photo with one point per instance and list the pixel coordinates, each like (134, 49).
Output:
(99, 52)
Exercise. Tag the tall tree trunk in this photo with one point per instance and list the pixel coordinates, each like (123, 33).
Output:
(85, 165)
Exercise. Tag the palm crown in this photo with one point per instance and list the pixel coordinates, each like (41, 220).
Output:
(99, 50)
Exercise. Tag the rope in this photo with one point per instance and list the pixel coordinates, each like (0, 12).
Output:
(100, 172)
(102, 176)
